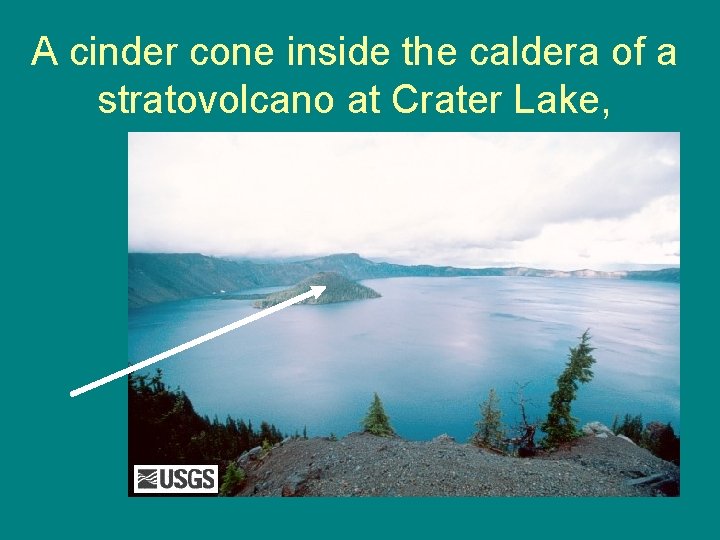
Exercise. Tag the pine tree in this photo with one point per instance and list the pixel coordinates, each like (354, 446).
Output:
(376, 421)
(265, 432)
(243, 436)
(490, 433)
(560, 425)
(631, 427)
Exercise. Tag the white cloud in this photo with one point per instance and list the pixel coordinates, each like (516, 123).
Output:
(547, 199)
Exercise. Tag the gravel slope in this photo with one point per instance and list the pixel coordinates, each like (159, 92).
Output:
(365, 465)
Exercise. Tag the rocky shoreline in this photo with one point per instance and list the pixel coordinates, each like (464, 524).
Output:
(599, 464)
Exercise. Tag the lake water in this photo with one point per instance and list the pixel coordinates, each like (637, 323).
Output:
(430, 347)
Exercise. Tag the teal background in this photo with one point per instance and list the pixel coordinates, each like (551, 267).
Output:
(64, 223)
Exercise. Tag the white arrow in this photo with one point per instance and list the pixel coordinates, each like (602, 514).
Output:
(315, 291)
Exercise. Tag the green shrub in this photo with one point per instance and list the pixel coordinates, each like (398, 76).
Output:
(232, 480)
(658, 438)
(661, 440)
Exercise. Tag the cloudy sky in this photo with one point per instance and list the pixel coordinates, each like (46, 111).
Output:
(551, 200)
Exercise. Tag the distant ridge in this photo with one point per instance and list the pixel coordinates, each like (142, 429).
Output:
(161, 277)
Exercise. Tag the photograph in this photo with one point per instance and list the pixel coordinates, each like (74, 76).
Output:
(401, 314)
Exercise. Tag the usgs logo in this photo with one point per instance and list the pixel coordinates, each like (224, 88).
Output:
(192, 479)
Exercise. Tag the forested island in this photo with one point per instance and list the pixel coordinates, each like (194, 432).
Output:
(339, 289)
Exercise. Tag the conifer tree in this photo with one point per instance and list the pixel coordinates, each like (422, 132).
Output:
(376, 421)
(560, 425)
(243, 436)
(232, 480)
(490, 433)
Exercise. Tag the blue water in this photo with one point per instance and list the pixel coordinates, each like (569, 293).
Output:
(430, 347)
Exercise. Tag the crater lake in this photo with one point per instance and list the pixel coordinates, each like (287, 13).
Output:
(430, 347)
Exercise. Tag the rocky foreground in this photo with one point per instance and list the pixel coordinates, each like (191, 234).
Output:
(596, 465)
